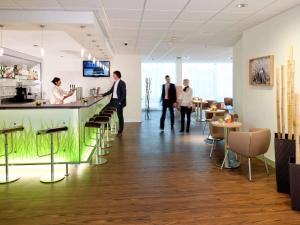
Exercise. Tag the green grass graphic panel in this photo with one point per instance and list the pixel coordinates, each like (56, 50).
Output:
(69, 145)
(85, 115)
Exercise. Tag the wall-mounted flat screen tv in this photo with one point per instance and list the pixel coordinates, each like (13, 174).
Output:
(97, 69)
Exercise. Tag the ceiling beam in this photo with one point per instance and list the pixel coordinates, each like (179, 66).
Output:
(140, 26)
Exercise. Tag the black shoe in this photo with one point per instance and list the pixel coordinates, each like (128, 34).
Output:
(181, 131)
(188, 131)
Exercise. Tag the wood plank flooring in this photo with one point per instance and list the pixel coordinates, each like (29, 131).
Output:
(151, 178)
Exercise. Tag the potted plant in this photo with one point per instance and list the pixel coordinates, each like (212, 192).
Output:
(295, 181)
(294, 165)
(284, 143)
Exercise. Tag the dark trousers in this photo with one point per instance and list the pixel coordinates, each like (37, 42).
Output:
(166, 105)
(185, 111)
(116, 103)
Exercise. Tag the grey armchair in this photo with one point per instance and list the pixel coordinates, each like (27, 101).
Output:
(250, 144)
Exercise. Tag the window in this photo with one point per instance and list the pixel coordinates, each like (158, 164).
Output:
(211, 81)
(157, 72)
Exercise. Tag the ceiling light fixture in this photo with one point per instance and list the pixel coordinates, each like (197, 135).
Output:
(42, 40)
(241, 5)
(82, 50)
(1, 41)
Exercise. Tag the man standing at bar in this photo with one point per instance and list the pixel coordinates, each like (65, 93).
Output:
(118, 99)
(168, 97)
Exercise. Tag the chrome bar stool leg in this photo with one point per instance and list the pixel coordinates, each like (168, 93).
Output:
(91, 125)
(53, 177)
(102, 143)
(67, 169)
(99, 159)
(98, 122)
(110, 131)
(7, 179)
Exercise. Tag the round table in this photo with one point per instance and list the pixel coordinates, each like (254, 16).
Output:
(215, 112)
(230, 161)
(199, 109)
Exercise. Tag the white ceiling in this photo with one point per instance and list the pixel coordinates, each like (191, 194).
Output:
(161, 30)
(56, 43)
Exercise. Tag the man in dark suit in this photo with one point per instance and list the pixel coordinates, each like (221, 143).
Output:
(169, 98)
(118, 99)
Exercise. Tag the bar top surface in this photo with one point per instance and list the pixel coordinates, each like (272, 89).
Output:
(73, 105)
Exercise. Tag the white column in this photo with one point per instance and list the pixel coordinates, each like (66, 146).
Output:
(178, 72)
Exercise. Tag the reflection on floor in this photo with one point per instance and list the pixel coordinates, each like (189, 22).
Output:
(152, 177)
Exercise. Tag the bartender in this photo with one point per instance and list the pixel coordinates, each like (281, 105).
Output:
(58, 94)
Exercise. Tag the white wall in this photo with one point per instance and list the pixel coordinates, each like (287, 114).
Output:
(257, 105)
(130, 67)
(70, 72)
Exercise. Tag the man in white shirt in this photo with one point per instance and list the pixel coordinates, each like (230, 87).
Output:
(118, 99)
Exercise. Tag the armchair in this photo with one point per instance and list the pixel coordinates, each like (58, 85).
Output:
(250, 144)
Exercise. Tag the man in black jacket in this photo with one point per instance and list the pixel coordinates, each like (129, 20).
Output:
(169, 98)
(118, 99)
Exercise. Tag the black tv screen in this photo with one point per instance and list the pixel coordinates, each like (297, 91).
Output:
(97, 69)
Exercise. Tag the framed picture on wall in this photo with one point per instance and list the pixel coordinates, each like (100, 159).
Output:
(261, 71)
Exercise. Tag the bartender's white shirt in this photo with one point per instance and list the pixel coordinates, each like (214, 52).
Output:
(187, 98)
(115, 95)
(58, 95)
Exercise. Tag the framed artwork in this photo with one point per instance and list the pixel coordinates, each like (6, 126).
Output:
(261, 71)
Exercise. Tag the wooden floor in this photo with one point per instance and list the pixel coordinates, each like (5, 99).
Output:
(151, 178)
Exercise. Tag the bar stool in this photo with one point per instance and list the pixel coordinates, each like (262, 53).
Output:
(105, 142)
(53, 177)
(109, 134)
(98, 123)
(5, 132)
(114, 123)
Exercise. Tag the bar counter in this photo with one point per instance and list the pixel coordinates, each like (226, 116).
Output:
(70, 145)
(73, 105)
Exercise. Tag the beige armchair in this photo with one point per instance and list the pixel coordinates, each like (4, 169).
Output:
(250, 144)
(217, 133)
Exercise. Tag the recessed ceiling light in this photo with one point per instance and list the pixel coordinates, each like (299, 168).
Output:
(35, 45)
(241, 5)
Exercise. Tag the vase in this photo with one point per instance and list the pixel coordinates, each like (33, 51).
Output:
(294, 184)
(284, 150)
